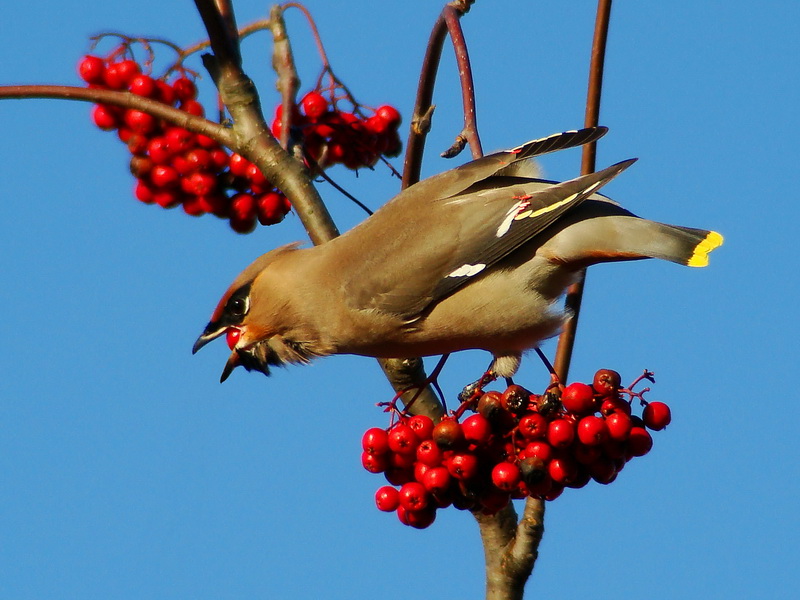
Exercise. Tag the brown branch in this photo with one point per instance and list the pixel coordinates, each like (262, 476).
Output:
(452, 17)
(283, 64)
(423, 109)
(125, 99)
(566, 340)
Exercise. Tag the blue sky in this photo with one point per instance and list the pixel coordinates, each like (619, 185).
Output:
(129, 472)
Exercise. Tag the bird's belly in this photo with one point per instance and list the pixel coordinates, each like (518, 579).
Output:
(501, 313)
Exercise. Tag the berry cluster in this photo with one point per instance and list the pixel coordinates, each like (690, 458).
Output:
(517, 444)
(331, 136)
(172, 165)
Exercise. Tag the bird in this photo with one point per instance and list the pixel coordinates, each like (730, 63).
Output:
(476, 257)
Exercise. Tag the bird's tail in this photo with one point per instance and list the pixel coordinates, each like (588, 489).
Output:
(599, 231)
(682, 245)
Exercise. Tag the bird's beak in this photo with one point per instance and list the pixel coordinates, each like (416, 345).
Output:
(211, 332)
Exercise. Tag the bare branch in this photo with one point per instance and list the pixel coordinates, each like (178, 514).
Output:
(125, 99)
(283, 64)
(452, 18)
(566, 340)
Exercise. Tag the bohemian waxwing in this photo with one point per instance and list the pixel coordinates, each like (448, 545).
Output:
(476, 257)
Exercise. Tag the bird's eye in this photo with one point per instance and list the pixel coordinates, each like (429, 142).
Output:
(237, 307)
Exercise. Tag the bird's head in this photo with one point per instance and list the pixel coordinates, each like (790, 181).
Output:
(252, 318)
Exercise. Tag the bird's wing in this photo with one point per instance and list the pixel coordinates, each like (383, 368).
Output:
(456, 180)
(422, 249)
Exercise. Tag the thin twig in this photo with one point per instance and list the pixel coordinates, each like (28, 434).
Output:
(566, 340)
(125, 99)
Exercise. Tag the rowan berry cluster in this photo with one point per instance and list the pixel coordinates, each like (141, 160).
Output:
(517, 444)
(172, 165)
(331, 136)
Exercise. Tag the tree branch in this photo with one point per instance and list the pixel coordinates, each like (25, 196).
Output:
(125, 99)
(572, 302)
(253, 138)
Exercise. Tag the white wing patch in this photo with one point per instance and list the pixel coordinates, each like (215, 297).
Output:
(467, 270)
(510, 216)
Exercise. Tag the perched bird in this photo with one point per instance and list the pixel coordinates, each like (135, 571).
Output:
(476, 257)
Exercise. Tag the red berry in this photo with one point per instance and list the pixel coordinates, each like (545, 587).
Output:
(159, 151)
(216, 204)
(92, 69)
(619, 426)
(615, 404)
(560, 433)
(429, 453)
(139, 121)
(563, 470)
(167, 198)
(397, 475)
(193, 107)
(198, 159)
(377, 125)
(143, 85)
(413, 496)
(165, 92)
(238, 165)
(375, 441)
(105, 117)
(242, 224)
(389, 114)
(533, 426)
(387, 498)
(436, 480)
(243, 208)
(463, 465)
(606, 382)
(314, 104)
(193, 207)
(538, 449)
(374, 463)
(403, 461)
(179, 139)
(232, 337)
(118, 75)
(184, 88)
(476, 430)
(418, 519)
(639, 442)
(586, 454)
(422, 426)
(271, 210)
(602, 470)
(255, 175)
(592, 430)
(143, 192)
(403, 440)
(164, 176)
(506, 476)
(578, 398)
(199, 184)
(656, 415)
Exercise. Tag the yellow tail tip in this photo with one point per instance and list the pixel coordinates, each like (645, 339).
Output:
(700, 256)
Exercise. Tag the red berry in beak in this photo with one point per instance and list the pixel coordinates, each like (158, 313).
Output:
(232, 336)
